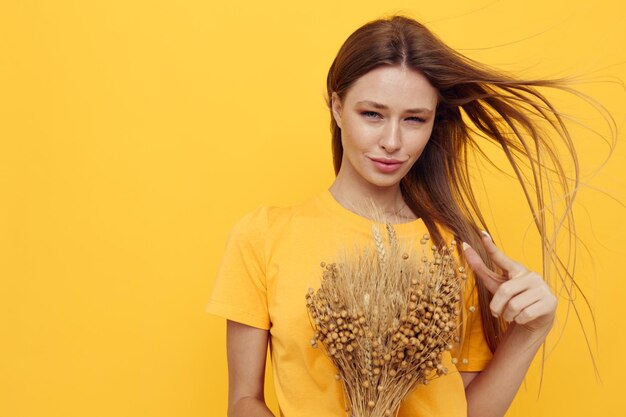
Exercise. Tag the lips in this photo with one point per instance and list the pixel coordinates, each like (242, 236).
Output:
(387, 165)
(387, 161)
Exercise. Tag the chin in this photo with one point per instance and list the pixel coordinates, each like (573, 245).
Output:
(385, 183)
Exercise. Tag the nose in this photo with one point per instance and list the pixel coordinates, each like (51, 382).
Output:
(390, 140)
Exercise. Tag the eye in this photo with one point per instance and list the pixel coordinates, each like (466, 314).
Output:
(370, 114)
(417, 119)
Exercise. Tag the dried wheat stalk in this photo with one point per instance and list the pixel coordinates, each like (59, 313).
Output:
(384, 316)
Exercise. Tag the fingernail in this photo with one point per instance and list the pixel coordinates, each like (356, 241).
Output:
(484, 233)
(465, 246)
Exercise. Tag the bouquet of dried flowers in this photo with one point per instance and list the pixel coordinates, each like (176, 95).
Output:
(384, 316)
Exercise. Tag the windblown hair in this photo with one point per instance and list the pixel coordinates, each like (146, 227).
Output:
(476, 106)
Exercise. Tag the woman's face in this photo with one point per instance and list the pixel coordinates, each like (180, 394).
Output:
(385, 118)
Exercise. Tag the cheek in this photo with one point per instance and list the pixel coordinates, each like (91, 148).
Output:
(420, 139)
(360, 135)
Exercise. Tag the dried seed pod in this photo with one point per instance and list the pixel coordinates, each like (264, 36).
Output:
(387, 325)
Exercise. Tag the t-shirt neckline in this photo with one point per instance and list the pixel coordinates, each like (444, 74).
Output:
(363, 222)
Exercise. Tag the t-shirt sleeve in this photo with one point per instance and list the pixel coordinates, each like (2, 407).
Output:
(240, 290)
(473, 353)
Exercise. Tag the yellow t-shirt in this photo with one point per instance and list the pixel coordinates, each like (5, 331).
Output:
(272, 258)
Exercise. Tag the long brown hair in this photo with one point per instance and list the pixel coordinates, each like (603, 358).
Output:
(476, 105)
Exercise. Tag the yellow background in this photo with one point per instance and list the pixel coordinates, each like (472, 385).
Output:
(134, 133)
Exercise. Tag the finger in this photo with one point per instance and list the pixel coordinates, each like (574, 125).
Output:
(542, 308)
(511, 267)
(489, 278)
(511, 289)
(520, 302)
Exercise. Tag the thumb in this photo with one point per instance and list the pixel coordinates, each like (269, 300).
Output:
(489, 278)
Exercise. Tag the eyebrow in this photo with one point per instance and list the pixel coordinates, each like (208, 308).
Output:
(384, 107)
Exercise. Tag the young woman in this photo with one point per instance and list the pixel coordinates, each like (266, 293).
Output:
(405, 109)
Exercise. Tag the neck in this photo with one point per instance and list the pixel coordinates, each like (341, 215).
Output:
(372, 202)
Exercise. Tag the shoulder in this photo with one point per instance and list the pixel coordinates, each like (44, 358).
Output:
(266, 220)
(252, 221)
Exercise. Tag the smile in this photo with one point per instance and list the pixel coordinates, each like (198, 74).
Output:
(387, 165)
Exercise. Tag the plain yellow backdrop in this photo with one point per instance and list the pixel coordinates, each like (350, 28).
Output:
(134, 133)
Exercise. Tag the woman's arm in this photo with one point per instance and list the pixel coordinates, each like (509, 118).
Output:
(523, 299)
(247, 350)
(490, 392)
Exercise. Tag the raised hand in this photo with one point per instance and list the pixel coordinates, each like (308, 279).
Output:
(519, 295)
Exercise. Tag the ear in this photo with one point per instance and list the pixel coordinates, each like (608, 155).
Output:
(336, 108)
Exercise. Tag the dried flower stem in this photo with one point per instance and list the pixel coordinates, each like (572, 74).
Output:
(385, 316)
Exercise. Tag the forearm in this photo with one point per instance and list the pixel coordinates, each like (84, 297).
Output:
(249, 407)
(490, 394)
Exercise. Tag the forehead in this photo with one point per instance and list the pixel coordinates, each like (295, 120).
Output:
(394, 86)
